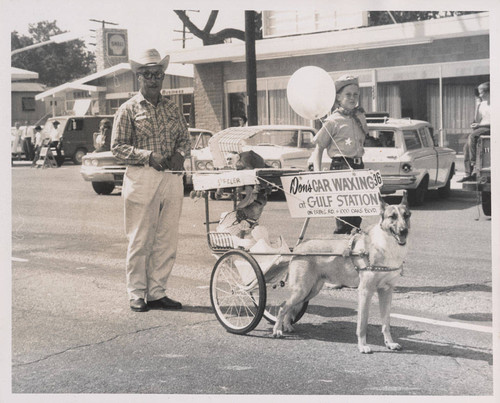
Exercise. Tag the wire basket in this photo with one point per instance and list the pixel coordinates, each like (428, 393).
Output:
(220, 241)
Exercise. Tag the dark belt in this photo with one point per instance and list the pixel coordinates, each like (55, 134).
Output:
(351, 161)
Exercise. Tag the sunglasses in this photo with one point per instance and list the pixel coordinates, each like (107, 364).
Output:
(149, 75)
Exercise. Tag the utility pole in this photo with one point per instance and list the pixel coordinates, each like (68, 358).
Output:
(184, 38)
(104, 22)
(184, 31)
(251, 67)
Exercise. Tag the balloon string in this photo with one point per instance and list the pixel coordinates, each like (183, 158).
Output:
(335, 143)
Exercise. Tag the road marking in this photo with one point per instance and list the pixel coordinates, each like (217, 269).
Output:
(18, 259)
(459, 325)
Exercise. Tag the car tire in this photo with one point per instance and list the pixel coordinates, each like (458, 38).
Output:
(416, 197)
(103, 188)
(77, 157)
(445, 191)
(486, 203)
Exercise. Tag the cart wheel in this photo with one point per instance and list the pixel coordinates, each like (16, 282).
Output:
(277, 291)
(238, 292)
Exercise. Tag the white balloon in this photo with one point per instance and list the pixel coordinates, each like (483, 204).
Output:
(311, 92)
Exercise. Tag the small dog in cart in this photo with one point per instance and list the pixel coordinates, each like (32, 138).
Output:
(372, 261)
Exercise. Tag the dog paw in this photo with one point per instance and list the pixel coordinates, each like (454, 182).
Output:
(363, 349)
(393, 346)
(277, 334)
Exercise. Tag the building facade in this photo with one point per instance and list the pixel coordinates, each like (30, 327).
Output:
(24, 88)
(421, 70)
(114, 82)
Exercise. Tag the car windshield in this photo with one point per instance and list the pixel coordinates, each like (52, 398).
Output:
(380, 138)
(199, 140)
(287, 138)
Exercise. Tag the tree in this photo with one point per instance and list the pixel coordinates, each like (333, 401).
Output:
(55, 63)
(386, 17)
(209, 38)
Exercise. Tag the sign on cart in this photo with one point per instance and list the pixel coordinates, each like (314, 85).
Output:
(224, 179)
(333, 193)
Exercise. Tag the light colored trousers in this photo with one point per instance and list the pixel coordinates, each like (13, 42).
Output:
(153, 205)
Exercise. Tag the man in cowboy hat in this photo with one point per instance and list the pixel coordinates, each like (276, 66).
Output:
(151, 136)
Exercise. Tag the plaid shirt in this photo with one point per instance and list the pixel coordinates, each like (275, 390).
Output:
(140, 128)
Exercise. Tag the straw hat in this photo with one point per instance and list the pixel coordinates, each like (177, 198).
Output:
(150, 57)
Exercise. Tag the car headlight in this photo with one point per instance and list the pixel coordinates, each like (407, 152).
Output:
(95, 163)
(406, 167)
(204, 165)
(274, 163)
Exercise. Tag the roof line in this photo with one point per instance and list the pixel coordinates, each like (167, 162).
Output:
(341, 41)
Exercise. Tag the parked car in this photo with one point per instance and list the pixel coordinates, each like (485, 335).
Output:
(482, 169)
(281, 146)
(407, 156)
(77, 134)
(106, 172)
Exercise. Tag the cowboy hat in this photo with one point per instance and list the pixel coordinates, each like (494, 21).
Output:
(150, 57)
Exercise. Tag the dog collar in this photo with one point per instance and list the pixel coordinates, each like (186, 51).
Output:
(379, 268)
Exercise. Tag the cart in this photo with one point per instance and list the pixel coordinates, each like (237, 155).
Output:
(246, 285)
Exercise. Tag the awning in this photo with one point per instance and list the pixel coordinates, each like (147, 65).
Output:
(81, 106)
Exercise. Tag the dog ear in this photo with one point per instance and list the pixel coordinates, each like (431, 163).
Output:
(383, 204)
(404, 200)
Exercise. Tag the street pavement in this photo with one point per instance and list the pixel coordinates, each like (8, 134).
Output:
(73, 333)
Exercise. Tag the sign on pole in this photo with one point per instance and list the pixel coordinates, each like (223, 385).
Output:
(333, 193)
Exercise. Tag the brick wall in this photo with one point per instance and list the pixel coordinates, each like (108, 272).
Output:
(209, 96)
(443, 50)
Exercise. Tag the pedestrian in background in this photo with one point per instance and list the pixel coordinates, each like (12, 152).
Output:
(480, 126)
(38, 144)
(242, 121)
(102, 138)
(27, 143)
(55, 141)
(151, 136)
(17, 134)
(343, 135)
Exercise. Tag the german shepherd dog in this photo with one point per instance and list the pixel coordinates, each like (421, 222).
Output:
(374, 264)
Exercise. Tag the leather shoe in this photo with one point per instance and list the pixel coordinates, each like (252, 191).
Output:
(138, 305)
(467, 178)
(164, 303)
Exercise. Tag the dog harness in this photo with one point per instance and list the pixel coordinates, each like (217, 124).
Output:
(242, 216)
(364, 254)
